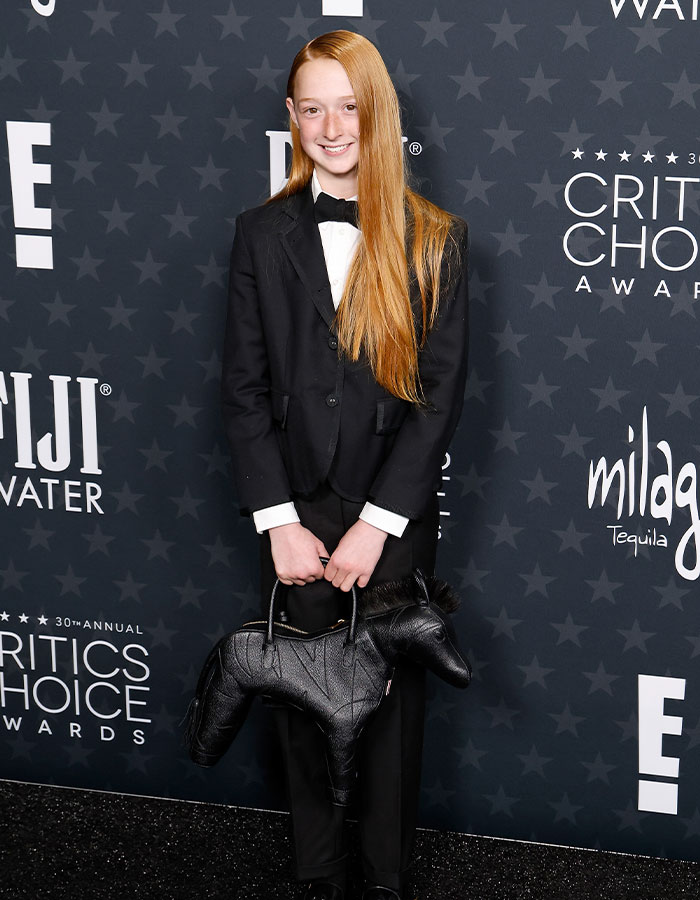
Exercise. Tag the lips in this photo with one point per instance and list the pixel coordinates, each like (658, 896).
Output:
(335, 150)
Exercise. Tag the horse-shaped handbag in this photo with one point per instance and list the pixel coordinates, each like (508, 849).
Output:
(338, 676)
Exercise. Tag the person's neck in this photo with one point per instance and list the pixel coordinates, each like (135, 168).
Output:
(344, 187)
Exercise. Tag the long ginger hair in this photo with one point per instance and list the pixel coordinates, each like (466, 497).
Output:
(375, 313)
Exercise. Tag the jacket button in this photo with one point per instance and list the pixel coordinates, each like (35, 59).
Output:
(333, 343)
(331, 400)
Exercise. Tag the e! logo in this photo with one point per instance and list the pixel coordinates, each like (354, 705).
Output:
(341, 8)
(33, 251)
(658, 796)
(279, 140)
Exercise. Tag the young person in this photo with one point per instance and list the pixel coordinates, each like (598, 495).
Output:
(343, 382)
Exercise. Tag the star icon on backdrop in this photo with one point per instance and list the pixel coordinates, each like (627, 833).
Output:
(231, 23)
(298, 24)
(101, 19)
(435, 29)
(545, 192)
(648, 35)
(611, 88)
(166, 20)
(266, 76)
(116, 218)
(200, 73)
(503, 137)
(470, 83)
(476, 187)
(603, 588)
(71, 68)
(539, 86)
(505, 31)
(576, 33)
(537, 582)
(168, 122)
(233, 125)
(543, 292)
(135, 70)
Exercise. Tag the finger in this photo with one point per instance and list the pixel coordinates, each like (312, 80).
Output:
(340, 579)
(348, 582)
(335, 577)
(362, 581)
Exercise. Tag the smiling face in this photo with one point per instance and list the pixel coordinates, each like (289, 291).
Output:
(324, 109)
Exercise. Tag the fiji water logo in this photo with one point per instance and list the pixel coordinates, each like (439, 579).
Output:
(682, 10)
(661, 496)
(54, 451)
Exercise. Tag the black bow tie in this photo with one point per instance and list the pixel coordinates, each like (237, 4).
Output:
(330, 209)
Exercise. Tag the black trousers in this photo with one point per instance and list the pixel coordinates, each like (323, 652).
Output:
(391, 746)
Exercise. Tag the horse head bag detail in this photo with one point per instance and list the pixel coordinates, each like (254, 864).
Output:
(338, 676)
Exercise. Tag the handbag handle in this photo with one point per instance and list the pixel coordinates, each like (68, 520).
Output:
(270, 615)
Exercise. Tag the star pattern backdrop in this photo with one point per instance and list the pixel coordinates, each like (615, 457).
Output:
(566, 134)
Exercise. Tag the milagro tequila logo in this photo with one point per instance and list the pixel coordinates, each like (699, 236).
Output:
(53, 452)
(661, 496)
(44, 7)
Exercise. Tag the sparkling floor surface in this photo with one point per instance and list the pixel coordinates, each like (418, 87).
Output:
(60, 843)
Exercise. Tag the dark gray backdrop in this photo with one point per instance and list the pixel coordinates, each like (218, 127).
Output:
(158, 115)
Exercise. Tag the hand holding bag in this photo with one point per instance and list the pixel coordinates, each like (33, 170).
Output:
(338, 676)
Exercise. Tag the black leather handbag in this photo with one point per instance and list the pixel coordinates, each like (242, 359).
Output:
(338, 676)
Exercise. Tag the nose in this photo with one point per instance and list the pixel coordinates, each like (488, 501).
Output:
(332, 126)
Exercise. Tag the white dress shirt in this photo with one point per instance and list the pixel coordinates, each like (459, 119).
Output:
(339, 241)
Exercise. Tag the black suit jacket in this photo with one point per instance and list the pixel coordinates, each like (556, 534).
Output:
(298, 414)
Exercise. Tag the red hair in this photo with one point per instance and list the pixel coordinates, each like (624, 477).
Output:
(375, 314)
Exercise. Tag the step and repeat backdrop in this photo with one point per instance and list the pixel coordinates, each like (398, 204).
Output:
(567, 135)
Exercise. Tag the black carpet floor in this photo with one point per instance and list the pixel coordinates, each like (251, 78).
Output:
(60, 843)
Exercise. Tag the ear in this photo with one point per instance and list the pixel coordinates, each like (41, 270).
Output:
(422, 594)
(292, 111)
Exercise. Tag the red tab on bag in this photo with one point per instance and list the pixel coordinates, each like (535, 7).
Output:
(388, 687)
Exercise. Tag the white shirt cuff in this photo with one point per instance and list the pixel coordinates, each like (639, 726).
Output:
(272, 516)
(383, 519)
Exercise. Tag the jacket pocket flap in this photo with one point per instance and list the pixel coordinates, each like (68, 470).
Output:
(280, 405)
(391, 411)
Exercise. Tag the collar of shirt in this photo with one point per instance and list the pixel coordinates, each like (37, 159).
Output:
(316, 189)
(339, 240)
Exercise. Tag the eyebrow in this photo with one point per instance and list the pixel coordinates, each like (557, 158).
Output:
(314, 100)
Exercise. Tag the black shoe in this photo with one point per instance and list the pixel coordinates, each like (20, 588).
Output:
(377, 892)
(323, 890)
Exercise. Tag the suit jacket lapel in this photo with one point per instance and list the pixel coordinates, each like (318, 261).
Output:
(302, 242)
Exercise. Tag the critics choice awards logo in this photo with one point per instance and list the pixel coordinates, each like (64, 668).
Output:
(631, 224)
(74, 687)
